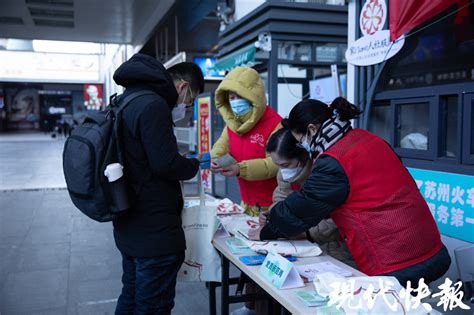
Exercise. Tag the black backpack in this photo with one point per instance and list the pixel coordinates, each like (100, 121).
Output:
(96, 143)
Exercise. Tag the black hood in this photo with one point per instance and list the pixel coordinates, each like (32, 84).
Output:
(144, 70)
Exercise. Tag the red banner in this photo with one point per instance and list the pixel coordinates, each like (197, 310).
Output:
(408, 14)
(204, 137)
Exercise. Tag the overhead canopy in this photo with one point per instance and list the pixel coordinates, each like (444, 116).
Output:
(408, 14)
(242, 57)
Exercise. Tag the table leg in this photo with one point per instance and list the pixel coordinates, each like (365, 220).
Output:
(212, 298)
(225, 286)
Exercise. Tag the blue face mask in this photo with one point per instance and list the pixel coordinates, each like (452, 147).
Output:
(240, 106)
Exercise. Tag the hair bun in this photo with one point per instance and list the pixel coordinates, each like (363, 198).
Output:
(345, 109)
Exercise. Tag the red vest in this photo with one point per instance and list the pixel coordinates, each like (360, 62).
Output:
(252, 146)
(385, 221)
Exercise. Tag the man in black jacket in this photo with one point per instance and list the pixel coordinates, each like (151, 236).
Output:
(150, 236)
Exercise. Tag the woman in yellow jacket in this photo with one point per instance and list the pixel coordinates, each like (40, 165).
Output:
(241, 101)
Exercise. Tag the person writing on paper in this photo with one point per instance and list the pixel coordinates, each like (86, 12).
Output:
(294, 168)
(241, 101)
(359, 181)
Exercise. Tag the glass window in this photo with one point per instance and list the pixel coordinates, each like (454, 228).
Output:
(379, 122)
(288, 71)
(472, 126)
(439, 54)
(295, 51)
(449, 123)
(331, 52)
(413, 126)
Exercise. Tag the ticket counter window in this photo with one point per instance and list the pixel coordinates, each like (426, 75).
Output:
(379, 123)
(472, 126)
(449, 125)
(413, 126)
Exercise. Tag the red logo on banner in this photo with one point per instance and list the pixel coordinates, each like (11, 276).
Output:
(373, 16)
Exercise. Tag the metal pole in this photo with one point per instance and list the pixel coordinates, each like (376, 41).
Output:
(161, 46)
(166, 43)
(176, 35)
(157, 55)
(272, 68)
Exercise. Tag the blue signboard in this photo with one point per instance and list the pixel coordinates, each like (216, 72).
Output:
(207, 66)
(450, 198)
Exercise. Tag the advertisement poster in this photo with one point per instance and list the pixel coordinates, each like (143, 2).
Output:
(204, 137)
(23, 108)
(93, 96)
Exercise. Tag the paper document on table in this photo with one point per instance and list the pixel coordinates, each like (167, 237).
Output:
(309, 271)
(376, 295)
(236, 222)
(237, 247)
(227, 206)
(297, 248)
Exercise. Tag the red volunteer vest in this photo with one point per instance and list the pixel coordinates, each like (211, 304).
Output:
(385, 221)
(252, 146)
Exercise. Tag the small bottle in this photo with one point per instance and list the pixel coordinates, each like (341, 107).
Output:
(118, 187)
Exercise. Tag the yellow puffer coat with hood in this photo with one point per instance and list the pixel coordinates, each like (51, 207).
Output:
(247, 84)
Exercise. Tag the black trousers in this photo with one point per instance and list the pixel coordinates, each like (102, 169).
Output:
(430, 270)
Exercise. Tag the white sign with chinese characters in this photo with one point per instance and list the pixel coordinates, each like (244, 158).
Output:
(280, 272)
(450, 198)
(375, 46)
(373, 49)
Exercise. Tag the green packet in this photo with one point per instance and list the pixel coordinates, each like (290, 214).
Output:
(225, 161)
(238, 247)
(312, 298)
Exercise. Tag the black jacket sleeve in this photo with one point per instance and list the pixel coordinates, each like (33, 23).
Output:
(325, 189)
(159, 142)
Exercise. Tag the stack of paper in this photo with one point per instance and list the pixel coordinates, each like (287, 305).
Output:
(237, 247)
(235, 222)
(297, 248)
(308, 272)
(226, 206)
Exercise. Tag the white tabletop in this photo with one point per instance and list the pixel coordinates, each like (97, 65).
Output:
(286, 297)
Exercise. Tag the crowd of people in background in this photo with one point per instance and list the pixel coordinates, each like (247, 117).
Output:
(61, 127)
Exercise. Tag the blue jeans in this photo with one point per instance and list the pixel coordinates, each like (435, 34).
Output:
(430, 270)
(148, 284)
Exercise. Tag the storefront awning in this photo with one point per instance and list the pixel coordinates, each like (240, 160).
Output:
(242, 57)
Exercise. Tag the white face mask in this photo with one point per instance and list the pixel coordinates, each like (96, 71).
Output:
(288, 174)
(179, 112)
(305, 144)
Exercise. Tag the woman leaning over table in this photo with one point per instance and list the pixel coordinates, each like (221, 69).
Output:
(360, 182)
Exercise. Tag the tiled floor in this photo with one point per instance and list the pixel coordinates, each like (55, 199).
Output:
(53, 259)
